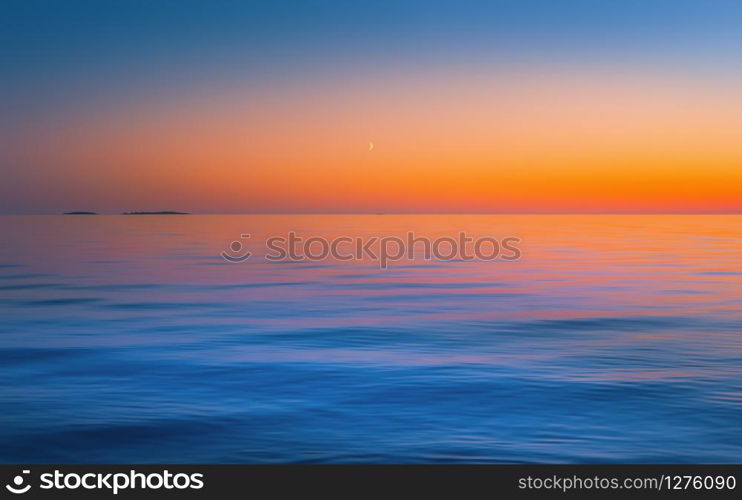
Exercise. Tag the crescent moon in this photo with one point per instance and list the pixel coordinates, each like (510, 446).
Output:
(370, 146)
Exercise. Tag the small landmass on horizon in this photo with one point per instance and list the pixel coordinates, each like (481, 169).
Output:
(80, 212)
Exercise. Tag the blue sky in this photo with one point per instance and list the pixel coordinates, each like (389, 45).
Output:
(76, 67)
(80, 39)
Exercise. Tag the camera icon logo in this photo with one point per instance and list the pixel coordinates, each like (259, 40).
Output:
(17, 486)
(235, 253)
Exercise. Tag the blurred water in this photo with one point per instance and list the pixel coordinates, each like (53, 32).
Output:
(129, 339)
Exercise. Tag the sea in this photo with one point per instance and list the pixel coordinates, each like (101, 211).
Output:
(131, 339)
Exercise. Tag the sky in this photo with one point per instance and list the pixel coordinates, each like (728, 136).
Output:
(515, 106)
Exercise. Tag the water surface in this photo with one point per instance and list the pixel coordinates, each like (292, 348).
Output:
(129, 339)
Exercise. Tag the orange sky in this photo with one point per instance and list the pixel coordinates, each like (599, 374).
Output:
(550, 140)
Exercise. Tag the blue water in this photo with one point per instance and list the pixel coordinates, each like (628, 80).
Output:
(129, 339)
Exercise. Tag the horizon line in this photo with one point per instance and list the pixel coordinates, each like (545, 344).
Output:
(11, 214)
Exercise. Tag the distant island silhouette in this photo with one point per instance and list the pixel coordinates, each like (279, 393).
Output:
(80, 212)
(164, 212)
